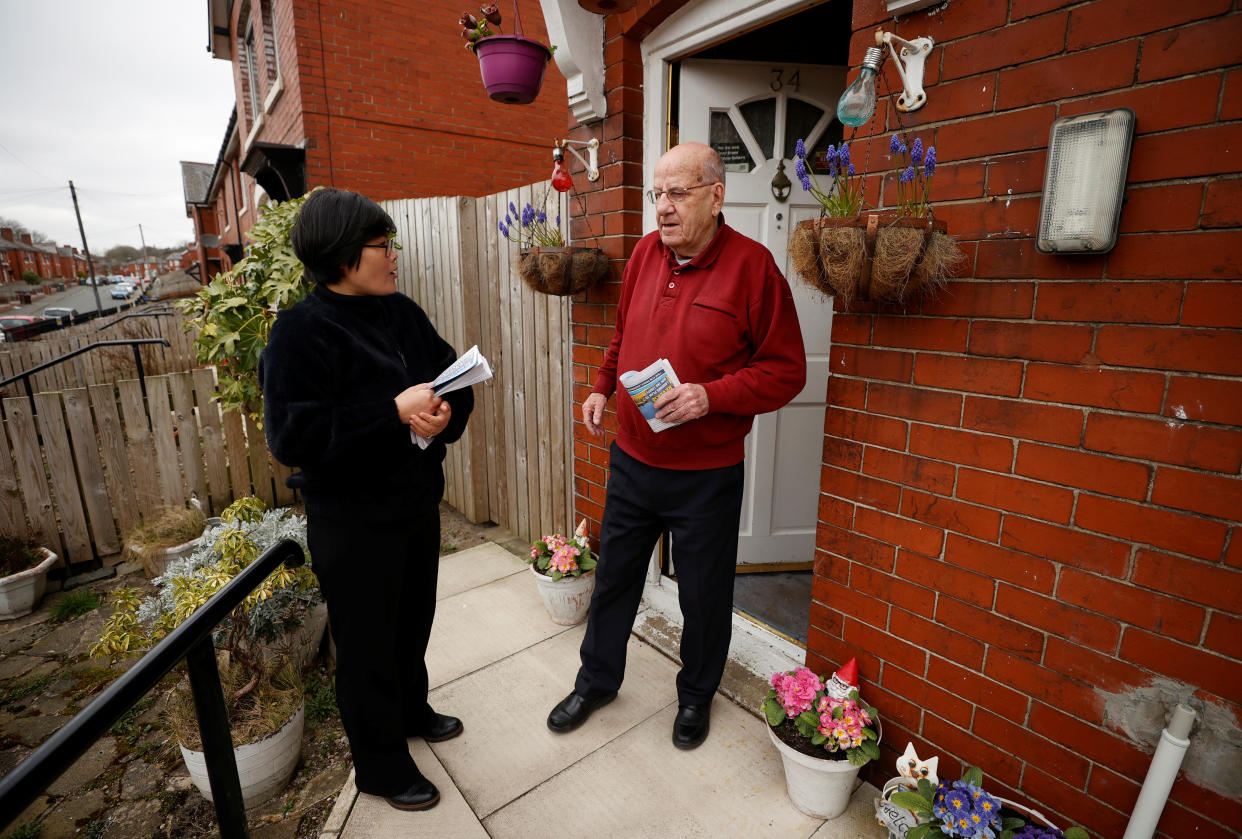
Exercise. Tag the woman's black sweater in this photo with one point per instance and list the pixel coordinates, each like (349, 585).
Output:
(331, 369)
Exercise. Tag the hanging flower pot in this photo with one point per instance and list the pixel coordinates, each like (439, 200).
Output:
(877, 256)
(562, 270)
(512, 67)
(607, 7)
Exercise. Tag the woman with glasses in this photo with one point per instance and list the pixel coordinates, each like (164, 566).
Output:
(345, 383)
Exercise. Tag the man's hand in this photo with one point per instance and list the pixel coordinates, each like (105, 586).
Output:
(593, 413)
(683, 403)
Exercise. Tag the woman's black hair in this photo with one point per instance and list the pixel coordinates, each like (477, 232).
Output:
(331, 229)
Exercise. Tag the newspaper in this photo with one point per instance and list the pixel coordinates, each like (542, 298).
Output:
(470, 369)
(646, 386)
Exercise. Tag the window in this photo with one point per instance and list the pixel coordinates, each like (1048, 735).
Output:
(249, 70)
(270, 56)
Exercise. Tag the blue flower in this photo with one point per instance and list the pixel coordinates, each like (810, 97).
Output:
(800, 167)
(831, 153)
(504, 231)
(929, 162)
(800, 150)
(850, 169)
(542, 217)
(843, 154)
(513, 209)
(916, 151)
(894, 144)
(907, 175)
(528, 215)
(558, 221)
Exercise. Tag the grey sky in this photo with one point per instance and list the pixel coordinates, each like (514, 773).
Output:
(111, 95)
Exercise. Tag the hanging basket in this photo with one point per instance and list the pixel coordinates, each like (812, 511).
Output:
(562, 271)
(874, 256)
(512, 67)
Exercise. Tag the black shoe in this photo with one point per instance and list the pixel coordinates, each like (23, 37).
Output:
(573, 710)
(691, 726)
(422, 796)
(442, 728)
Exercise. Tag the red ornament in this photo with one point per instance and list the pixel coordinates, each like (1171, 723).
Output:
(562, 181)
(843, 681)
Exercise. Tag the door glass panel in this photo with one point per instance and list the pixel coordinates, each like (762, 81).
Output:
(760, 118)
(800, 120)
(728, 143)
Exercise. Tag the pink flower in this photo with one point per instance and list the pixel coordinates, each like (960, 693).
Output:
(796, 691)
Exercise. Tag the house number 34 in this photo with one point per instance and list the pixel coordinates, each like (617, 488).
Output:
(779, 80)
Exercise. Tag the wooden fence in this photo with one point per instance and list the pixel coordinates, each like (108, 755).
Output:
(92, 453)
(514, 465)
(105, 364)
(93, 458)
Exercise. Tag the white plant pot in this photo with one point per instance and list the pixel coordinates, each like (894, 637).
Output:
(263, 767)
(566, 599)
(817, 786)
(898, 820)
(155, 561)
(20, 593)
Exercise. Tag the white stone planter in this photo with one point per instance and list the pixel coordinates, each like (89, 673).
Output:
(566, 599)
(817, 786)
(20, 593)
(263, 767)
(155, 560)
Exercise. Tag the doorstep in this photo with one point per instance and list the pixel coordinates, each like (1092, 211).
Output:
(497, 661)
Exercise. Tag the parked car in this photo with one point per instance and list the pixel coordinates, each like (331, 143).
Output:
(121, 291)
(20, 327)
(60, 314)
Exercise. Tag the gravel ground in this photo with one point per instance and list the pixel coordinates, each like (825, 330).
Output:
(132, 782)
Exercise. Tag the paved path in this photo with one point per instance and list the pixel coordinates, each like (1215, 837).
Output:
(500, 664)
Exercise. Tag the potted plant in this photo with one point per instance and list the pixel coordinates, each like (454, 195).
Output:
(884, 255)
(928, 807)
(546, 264)
(24, 566)
(824, 733)
(511, 65)
(168, 533)
(564, 571)
(263, 690)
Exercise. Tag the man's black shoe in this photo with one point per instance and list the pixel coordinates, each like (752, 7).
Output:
(442, 728)
(422, 796)
(690, 727)
(573, 710)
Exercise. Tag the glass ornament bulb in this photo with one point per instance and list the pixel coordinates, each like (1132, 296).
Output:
(562, 181)
(857, 105)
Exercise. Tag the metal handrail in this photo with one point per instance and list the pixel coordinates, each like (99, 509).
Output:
(153, 313)
(142, 381)
(191, 641)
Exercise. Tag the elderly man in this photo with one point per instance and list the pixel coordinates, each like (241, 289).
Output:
(714, 304)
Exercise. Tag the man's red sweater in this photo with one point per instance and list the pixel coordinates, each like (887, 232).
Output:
(724, 320)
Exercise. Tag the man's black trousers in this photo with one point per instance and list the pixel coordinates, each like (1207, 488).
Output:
(701, 508)
(380, 585)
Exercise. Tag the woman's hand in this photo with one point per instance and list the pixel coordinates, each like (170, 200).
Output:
(416, 400)
(428, 425)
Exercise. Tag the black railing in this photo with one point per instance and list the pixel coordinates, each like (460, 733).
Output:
(25, 375)
(149, 313)
(191, 641)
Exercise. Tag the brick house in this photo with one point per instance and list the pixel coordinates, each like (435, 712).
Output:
(1019, 500)
(371, 97)
(20, 255)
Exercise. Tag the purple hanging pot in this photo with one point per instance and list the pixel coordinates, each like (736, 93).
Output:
(512, 67)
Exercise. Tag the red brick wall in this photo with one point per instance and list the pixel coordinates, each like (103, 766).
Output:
(392, 104)
(1030, 484)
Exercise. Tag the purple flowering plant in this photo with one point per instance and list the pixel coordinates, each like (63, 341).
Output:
(914, 167)
(844, 196)
(963, 810)
(531, 227)
(474, 29)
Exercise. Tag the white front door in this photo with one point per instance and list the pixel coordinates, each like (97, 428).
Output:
(753, 113)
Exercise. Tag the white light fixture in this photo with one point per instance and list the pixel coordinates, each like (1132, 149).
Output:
(1085, 182)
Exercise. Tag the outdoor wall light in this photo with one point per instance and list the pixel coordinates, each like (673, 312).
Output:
(561, 179)
(857, 104)
(1085, 182)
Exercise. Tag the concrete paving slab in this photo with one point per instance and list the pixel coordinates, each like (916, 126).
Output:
(507, 749)
(464, 570)
(372, 817)
(858, 820)
(483, 625)
(732, 785)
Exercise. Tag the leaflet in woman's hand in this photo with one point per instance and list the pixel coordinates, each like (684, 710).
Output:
(471, 368)
(646, 386)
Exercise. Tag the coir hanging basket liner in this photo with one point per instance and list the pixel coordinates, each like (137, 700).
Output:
(562, 271)
(873, 256)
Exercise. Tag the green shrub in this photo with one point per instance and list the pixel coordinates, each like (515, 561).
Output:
(32, 278)
(73, 604)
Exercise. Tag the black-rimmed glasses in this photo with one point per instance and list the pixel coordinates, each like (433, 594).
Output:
(390, 247)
